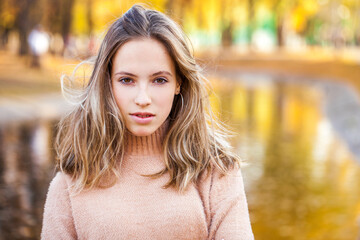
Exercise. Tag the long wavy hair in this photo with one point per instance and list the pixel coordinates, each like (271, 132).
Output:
(90, 139)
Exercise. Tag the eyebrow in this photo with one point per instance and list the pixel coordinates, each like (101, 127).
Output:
(154, 74)
(125, 73)
(162, 72)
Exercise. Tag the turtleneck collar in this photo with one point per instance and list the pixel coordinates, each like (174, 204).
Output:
(146, 145)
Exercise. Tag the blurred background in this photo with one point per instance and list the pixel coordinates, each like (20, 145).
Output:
(285, 77)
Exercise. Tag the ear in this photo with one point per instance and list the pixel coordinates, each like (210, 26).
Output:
(177, 90)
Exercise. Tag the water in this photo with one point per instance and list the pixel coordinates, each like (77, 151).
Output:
(26, 168)
(301, 177)
(27, 130)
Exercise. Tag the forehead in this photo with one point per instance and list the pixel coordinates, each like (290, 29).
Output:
(143, 54)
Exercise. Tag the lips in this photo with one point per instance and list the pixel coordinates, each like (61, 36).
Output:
(142, 117)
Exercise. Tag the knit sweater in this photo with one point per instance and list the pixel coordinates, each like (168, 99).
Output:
(138, 207)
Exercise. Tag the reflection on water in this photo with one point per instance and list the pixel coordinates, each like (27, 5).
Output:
(26, 167)
(301, 180)
(27, 129)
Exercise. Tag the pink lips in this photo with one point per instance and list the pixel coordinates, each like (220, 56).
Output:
(142, 117)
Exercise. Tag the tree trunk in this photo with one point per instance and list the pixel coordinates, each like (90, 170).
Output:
(251, 11)
(280, 32)
(89, 17)
(66, 19)
(24, 23)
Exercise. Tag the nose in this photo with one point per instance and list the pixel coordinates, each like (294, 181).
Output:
(142, 98)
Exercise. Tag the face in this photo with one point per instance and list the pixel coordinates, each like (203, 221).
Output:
(144, 84)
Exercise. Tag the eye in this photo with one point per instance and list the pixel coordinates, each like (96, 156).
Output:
(160, 81)
(126, 80)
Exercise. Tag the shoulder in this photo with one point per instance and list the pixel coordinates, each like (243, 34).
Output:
(216, 184)
(215, 177)
(228, 180)
(60, 180)
(59, 184)
(58, 196)
(58, 222)
(218, 190)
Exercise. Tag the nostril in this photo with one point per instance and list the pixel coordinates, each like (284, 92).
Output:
(143, 99)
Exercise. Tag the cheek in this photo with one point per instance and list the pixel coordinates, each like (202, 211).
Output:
(165, 101)
(120, 98)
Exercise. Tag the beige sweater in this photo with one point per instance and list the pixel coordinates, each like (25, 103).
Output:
(137, 207)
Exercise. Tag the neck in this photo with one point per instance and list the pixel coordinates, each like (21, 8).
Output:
(146, 145)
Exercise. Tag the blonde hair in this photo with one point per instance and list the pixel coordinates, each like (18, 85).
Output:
(90, 139)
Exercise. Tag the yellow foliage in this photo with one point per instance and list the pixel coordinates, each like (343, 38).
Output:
(105, 12)
(79, 24)
(298, 19)
(310, 7)
(302, 12)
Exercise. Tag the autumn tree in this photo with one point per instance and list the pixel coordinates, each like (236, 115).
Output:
(27, 13)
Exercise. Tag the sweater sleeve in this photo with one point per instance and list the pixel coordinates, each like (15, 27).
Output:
(58, 222)
(228, 208)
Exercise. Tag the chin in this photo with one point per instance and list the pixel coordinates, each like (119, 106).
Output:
(142, 132)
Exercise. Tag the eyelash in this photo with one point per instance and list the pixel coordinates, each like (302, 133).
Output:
(122, 80)
(163, 80)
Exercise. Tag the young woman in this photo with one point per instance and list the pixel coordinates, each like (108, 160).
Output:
(139, 157)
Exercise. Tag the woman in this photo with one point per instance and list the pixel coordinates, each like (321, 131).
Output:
(138, 156)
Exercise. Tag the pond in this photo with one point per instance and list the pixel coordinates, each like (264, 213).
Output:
(300, 169)
(302, 182)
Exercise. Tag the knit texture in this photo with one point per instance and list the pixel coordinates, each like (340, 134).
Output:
(138, 207)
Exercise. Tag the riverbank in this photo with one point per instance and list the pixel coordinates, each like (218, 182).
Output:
(315, 63)
(18, 78)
